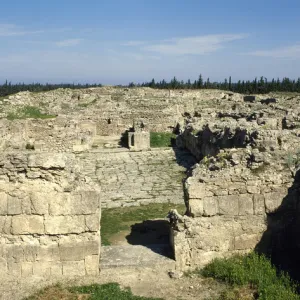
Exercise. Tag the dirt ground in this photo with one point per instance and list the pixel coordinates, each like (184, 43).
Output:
(146, 282)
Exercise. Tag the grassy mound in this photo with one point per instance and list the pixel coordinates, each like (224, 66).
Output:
(253, 272)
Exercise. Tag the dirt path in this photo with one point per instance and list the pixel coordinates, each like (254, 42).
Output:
(147, 282)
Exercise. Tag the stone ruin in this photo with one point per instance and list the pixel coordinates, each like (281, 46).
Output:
(139, 137)
(55, 171)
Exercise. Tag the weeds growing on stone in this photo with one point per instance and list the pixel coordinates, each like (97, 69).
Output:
(254, 273)
(161, 139)
(114, 220)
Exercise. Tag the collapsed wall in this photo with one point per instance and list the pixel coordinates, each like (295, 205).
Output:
(49, 217)
(246, 169)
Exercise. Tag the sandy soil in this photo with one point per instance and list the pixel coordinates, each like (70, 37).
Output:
(142, 281)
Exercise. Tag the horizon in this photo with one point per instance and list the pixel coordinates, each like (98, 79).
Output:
(117, 43)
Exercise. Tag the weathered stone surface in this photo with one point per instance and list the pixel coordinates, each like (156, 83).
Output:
(228, 205)
(64, 224)
(27, 224)
(92, 265)
(74, 268)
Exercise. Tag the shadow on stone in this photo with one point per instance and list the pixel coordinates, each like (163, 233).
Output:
(281, 240)
(153, 234)
(184, 157)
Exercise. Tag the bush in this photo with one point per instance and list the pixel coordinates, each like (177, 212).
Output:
(161, 139)
(255, 271)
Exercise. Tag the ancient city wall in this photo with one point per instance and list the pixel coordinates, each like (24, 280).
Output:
(49, 217)
(130, 178)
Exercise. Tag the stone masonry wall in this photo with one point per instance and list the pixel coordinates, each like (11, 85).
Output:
(130, 178)
(52, 135)
(49, 217)
(228, 214)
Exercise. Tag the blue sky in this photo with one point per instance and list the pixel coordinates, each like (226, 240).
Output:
(116, 42)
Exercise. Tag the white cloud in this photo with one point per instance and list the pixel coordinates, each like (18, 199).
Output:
(14, 30)
(284, 52)
(134, 43)
(68, 43)
(195, 45)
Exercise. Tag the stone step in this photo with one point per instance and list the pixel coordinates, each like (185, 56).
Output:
(136, 255)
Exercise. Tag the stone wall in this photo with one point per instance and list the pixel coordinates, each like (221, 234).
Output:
(59, 134)
(228, 212)
(130, 178)
(49, 217)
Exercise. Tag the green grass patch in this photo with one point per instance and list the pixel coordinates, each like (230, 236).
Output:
(114, 220)
(87, 103)
(109, 291)
(253, 271)
(28, 112)
(161, 139)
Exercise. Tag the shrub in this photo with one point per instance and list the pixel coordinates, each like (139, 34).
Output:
(255, 271)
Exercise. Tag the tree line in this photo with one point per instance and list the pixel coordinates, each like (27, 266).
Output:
(256, 86)
(8, 88)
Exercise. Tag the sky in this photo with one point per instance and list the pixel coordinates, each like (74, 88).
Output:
(122, 41)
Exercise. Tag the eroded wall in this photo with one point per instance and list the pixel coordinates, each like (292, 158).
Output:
(49, 217)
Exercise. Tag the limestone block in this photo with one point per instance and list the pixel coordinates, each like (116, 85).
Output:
(83, 203)
(14, 252)
(48, 253)
(5, 224)
(3, 266)
(246, 241)
(92, 247)
(273, 201)
(14, 269)
(92, 222)
(42, 268)
(228, 205)
(198, 191)
(3, 204)
(253, 189)
(245, 205)
(210, 206)
(196, 207)
(74, 268)
(14, 206)
(40, 202)
(56, 269)
(64, 224)
(72, 251)
(26, 269)
(92, 265)
(259, 204)
(31, 252)
(27, 224)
